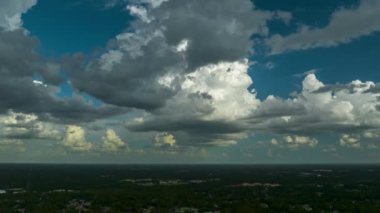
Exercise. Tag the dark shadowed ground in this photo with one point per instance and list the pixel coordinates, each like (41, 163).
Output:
(189, 188)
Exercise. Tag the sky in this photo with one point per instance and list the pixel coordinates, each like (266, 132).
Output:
(189, 81)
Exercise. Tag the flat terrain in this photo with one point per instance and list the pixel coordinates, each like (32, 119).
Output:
(189, 188)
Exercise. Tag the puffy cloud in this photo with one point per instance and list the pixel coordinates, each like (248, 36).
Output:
(27, 126)
(166, 143)
(296, 141)
(164, 140)
(11, 11)
(23, 95)
(18, 58)
(191, 82)
(165, 41)
(350, 109)
(108, 60)
(274, 107)
(20, 64)
(215, 92)
(217, 30)
(75, 139)
(140, 12)
(191, 79)
(207, 107)
(323, 110)
(129, 80)
(154, 3)
(346, 24)
(274, 141)
(370, 134)
(187, 79)
(374, 88)
(112, 142)
(365, 139)
(349, 141)
(214, 107)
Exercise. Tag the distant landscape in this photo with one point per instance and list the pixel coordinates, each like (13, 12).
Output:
(189, 188)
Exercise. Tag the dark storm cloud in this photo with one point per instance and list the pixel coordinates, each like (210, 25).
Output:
(217, 30)
(128, 75)
(189, 125)
(132, 82)
(192, 131)
(308, 126)
(22, 95)
(18, 64)
(19, 59)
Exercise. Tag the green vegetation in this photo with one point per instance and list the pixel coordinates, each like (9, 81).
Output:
(65, 188)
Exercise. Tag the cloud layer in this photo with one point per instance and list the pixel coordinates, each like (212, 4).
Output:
(181, 72)
(346, 24)
(192, 79)
(131, 73)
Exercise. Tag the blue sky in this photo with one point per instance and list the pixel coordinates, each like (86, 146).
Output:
(65, 27)
(145, 81)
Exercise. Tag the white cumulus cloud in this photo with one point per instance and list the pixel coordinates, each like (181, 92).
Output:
(112, 142)
(75, 139)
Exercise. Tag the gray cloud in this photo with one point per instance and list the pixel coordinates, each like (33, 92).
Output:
(132, 82)
(182, 65)
(346, 24)
(130, 73)
(190, 125)
(18, 58)
(22, 95)
(352, 88)
(208, 108)
(374, 89)
(216, 30)
(170, 43)
(19, 63)
(274, 107)
(20, 126)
